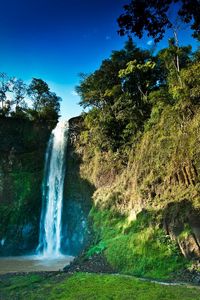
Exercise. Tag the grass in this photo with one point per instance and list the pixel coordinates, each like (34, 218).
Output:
(91, 286)
(138, 248)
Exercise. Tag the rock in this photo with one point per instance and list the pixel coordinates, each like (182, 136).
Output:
(95, 264)
(181, 222)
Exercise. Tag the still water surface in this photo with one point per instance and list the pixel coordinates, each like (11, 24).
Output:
(32, 263)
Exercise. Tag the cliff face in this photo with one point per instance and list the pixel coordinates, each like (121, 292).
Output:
(22, 157)
(156, 196)
(77, 197)
(22, 151)
(143, 213)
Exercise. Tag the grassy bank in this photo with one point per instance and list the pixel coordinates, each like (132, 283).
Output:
(90, 286)
(138, 247)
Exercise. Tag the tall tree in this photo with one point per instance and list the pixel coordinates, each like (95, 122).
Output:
(51, 107)
(116, 97)
(5, 86)
(19, 91)
(45, 103)
(38, 90)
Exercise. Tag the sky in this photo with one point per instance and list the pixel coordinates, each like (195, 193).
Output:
(55, 40)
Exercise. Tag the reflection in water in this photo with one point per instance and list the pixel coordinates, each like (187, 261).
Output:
(32, 263)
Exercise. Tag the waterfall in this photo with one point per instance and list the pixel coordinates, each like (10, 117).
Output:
(52, 193)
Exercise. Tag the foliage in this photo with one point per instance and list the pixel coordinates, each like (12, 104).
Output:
(99, 248)
(142, 126)
(139, 247)
(20, 91)
(116, 97)
(15, 98)
(5, 83)
(185, 233)
(191, 83)
(45, 103)
(129, 92)
(153, 16)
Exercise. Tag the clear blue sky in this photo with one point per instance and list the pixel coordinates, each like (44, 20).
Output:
(57, 39)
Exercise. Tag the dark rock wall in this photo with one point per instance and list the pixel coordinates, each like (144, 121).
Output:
(77, 197)
(22, 151)
(22, 157)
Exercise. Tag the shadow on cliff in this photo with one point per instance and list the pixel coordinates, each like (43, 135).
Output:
(77, 200)
(181, 222)
(22, 151)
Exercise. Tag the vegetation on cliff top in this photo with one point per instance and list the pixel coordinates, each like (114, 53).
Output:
(16, 96)
(128, 93)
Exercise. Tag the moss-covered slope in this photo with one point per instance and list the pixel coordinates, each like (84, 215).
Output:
(160, 184)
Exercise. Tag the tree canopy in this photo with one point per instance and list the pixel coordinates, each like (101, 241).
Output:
(16, 98)
(116, 95)
(130, 90)
(152, 16)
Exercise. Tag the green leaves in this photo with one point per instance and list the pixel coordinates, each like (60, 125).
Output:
(154, 18)
(130, 91)
(116, 95)
(46, 104)
(133, 66)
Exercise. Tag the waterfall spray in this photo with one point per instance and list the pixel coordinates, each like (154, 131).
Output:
(52, 193)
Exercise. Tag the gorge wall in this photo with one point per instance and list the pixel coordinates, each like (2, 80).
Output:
(22, 150)
(148, 211)
(22, 157)
(77, 200)
(144, 215)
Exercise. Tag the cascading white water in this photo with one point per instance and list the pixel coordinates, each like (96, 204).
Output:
(53, 182)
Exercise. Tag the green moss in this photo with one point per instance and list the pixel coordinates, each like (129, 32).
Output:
(139, 247)
(92, 286)
(99, 248)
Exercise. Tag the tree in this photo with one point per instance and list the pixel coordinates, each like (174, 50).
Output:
(116, 97)
(5, 85)
(140, 74)
(191, 84)
(152, 16)
(168, 64)
(46, 105)
(19, 91)
(51, 107)
(38, 90)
